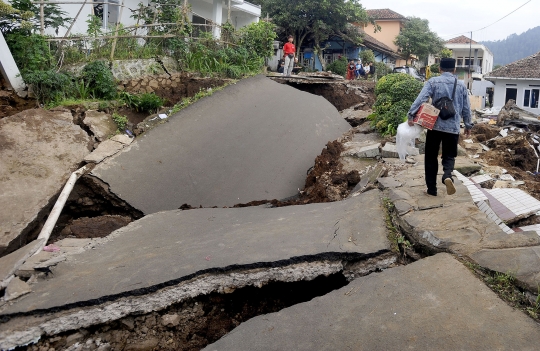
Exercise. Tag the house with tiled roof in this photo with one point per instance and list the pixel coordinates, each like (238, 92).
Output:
(519, 81)
(467, 51)
(391, 23)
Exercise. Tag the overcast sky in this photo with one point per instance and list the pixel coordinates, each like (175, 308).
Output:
(450, 18)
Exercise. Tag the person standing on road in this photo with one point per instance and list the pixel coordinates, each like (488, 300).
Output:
(445, 131)
(289, 50)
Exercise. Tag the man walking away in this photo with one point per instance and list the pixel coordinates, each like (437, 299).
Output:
(289, 49)
(445, 131)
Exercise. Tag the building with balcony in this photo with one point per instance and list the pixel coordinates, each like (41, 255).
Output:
(467, 53)
(519, 81)
(391, 23)
(208, 14)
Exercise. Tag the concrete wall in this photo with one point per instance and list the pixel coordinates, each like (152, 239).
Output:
(499, 98)
(388, 33)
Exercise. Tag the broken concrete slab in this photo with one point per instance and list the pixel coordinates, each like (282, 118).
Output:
(27, 269)
(11, 262)
(521, 263)
(361, 150)
(388, 182)
(122, 138)
(15, 289)
(466, 167)
(100, 124)
(38, 151)
(169, 247)
(409, 307)
(105, 149)
(235, 146)
(389, 151)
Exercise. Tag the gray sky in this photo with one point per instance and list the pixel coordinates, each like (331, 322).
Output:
(448, 18)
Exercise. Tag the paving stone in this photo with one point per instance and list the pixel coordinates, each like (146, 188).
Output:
(368, 180)
(15, 289)
(389, 151)
(105, 149)
(388, 182)
(466, 167)
(522, 263)
(430, 202)
(193, 242)
(361, 150)
(403, 207)
(433, 304)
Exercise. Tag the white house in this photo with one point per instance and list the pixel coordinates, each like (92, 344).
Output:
(519, 81)
(467, 51)
(202, 12)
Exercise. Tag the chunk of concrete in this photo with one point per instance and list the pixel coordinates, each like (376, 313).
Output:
(106, 149)
(466, 167)
(389, 151)
(38, 151)
(200, 241)
(27, 269)
(100, 124)
(15, 289)
(433, 304)
(122, 138)
(235, 146)
(11, 262)
(388, 182)
(361, 150)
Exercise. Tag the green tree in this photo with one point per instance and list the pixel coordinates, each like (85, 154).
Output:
(317, 20)
(417, 39)
(53, 17)
(367, 56)
(446, 53)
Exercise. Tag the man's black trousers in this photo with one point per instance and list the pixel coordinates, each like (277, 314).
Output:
(449, 143)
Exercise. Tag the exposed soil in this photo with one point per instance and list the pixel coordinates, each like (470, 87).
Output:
(192, 325)
(342, 95)
(92, 211)
(11, 103)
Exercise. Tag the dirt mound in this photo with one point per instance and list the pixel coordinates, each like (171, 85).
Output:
(11, 103)
(484, 132)
(513, 151)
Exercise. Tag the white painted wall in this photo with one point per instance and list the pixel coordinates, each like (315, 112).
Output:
(499, 97)
(462, 50)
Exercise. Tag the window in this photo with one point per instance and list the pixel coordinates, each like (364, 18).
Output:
(459, 61)
(526, 98)
(534, 98)
(108, 12)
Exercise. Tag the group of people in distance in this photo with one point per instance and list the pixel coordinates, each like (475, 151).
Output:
(357, 70)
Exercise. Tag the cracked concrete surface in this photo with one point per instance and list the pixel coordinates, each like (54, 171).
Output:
(38, 151)
(253, 140)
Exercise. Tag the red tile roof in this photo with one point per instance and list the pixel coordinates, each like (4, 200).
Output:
(461, 40)
(384, 14)
(529, 67)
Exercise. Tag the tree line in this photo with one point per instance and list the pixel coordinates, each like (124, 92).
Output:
(515, 47)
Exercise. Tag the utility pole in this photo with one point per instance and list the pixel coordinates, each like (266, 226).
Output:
(470, 54)
(229, 12)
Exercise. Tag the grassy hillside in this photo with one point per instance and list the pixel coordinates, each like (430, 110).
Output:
(515, 47)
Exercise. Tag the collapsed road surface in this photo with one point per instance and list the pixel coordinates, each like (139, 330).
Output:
(168, 257)
(254, 140)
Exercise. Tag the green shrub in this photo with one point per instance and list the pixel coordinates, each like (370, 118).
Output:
(49, 86)
(435, 68)
(384, 85)
(150, 102)
(121, 121)
(382, 69)
(99, 79)
(395, 95)
(367, 56)
(30, 52)
(338, 66)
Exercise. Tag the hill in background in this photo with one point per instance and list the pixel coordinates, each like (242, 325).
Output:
(515, 47)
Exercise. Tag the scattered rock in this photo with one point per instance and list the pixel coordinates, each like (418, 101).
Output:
(170, 320)
(362, 150)
(389, 151)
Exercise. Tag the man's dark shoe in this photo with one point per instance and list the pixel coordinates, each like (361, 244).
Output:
(450, 188)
